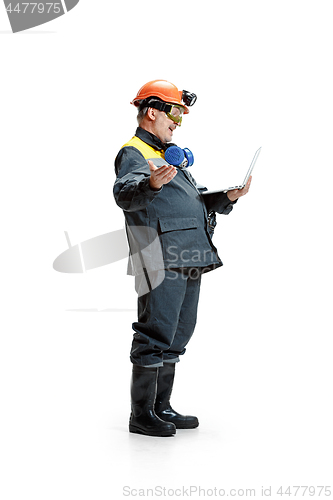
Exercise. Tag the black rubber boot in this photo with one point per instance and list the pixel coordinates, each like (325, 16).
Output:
(163, 409)
(143, 419)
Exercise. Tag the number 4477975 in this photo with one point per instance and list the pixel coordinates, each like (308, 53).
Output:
(31, 7)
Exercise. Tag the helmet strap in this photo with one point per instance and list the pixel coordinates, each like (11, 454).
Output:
(156, 104)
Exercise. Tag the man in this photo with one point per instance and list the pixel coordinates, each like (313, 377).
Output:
(160, 199)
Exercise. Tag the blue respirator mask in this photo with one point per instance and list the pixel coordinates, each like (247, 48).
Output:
(179, 157)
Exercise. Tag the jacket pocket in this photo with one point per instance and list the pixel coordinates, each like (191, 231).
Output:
(167, 224)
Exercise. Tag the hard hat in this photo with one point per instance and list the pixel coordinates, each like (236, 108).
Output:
(162, 89)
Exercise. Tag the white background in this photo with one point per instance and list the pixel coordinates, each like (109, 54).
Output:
(258, 371)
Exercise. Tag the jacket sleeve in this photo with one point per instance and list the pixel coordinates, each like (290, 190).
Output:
(215, 202)
(218, 202)
(132, 190)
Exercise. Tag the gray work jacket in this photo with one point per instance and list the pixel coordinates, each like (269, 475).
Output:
(167, 228)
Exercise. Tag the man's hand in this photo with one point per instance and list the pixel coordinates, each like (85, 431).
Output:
(237, 193)
(161, 175)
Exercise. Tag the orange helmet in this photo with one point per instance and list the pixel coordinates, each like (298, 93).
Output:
(162, 89)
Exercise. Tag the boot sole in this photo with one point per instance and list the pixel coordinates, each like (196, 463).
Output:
(137, 430)
(184, 426)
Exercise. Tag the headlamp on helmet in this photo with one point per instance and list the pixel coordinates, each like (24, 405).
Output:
(188, 98)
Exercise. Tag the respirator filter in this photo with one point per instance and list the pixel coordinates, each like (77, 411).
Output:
(179, 157)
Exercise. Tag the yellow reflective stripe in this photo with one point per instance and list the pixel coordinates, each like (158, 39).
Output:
(146, 150)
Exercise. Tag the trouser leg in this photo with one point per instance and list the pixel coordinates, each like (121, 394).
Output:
(187, 318)
(166, 319)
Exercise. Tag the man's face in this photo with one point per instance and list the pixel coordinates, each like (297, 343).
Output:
(163, 126)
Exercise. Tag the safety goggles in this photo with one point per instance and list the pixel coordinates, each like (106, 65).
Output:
(175, 114)
(173, 111)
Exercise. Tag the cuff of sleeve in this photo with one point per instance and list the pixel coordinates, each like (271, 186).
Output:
(149, 190)
(228, 208)
(155, 190)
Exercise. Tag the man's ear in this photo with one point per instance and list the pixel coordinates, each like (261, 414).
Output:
(151, 113)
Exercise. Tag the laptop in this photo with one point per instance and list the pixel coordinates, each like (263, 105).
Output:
(249, 172)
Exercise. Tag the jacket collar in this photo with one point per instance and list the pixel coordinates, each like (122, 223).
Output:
(150, 139)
